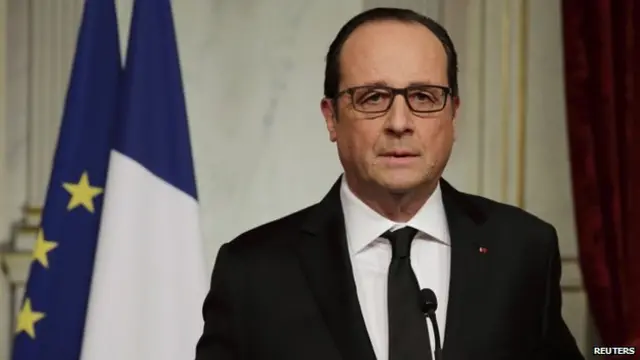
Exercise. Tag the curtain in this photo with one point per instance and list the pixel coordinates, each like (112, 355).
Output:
(602, 78)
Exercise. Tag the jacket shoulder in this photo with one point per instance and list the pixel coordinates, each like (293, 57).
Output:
(511, 219)
(507, 211)
(272, 233)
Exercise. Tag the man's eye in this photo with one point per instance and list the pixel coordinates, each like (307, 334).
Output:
(373, 98)
(423, 97)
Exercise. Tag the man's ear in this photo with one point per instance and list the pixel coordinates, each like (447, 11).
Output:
(330, 114)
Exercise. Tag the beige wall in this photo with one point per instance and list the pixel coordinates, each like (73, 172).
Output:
(253, 74)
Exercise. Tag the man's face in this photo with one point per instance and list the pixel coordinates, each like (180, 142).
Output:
(399, 149)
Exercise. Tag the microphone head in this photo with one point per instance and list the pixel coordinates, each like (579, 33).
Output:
(428, 301)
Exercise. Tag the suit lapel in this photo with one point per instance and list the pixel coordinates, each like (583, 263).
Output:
(469, 263)
(325, 261)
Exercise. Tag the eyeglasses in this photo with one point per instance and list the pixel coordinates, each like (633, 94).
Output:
(421, 99)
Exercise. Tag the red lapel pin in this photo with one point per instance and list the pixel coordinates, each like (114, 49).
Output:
(483, 250)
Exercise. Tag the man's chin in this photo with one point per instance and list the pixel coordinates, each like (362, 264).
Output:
(401, 183)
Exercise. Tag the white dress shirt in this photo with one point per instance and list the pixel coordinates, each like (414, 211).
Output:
(371, 255)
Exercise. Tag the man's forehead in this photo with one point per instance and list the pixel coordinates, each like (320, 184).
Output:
(393, 51)
(383, 32)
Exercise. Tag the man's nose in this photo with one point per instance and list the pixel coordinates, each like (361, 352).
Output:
(399, 119)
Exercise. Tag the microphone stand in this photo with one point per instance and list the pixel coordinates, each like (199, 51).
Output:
(437, 353)
(429, 304)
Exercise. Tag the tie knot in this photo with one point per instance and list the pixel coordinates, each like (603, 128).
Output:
(400, 241)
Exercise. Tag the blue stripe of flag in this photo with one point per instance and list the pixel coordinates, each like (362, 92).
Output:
(153, 129)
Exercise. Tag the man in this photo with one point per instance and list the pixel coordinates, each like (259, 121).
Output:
(341, 279)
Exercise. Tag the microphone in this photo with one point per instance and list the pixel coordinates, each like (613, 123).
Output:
(429, 304)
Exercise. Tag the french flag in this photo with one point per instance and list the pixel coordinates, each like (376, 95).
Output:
(149, 276)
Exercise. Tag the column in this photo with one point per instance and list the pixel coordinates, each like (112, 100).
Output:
(3, 114)
(493, 88)
(4, 284)
(37, 126)
(53, 27)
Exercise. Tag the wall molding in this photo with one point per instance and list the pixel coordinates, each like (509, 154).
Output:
(4, 222)
(5, 301)
(521, 102)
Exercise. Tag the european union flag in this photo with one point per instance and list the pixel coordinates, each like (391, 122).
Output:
(50, 324)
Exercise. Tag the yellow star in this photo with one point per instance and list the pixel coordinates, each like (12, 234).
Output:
(42, 248)
(82, 193)
(27, 319)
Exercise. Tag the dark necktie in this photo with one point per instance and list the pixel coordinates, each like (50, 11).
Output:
(408, 332)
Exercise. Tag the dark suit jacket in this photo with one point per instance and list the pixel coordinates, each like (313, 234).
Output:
(285, 290)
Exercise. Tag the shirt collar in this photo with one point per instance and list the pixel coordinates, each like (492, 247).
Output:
(363, 225)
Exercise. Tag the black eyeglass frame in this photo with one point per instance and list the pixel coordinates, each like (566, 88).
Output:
(394, 93)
